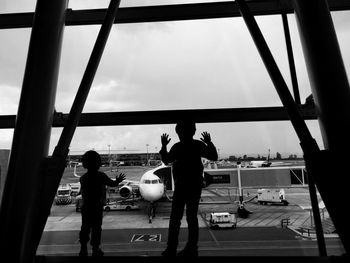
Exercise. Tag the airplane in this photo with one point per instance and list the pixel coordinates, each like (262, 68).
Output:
(158, 182)
(150, 187)
(256, 164)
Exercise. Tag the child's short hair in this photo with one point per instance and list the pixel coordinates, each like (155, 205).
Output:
(185, 127)
(91, 160)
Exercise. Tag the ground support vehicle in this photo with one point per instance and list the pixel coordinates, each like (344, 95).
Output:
(63, 195)
(272, 196)
(222, 220)
(121, 205)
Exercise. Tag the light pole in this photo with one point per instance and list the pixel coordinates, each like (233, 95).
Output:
(155, 154)
(241, 210)
(109, 153)
(147, 153)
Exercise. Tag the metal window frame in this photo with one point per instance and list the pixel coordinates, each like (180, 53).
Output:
(172, 13)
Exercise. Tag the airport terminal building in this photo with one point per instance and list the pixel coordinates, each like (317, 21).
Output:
(126, 159)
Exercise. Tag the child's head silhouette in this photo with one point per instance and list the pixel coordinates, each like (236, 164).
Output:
(185, 130)
(91, 160)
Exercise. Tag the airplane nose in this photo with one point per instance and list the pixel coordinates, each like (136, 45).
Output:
(152, 193)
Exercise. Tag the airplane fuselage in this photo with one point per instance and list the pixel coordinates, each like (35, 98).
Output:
(151, 187)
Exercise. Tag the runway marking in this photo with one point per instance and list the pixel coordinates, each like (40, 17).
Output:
(146, 238)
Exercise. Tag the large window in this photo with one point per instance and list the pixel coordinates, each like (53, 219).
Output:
(179, 65)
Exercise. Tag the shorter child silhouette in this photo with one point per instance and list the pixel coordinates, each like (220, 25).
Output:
(186, 158)
(93, 191)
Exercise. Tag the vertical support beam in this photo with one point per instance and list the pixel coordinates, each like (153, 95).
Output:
(293, 74)
(331, 92)
(32, 133)
(53, 167)
(328, 78)
(308, 144)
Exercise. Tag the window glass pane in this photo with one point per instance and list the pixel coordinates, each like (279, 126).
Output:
(173, 65)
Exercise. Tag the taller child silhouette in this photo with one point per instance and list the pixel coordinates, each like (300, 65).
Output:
(186, 158)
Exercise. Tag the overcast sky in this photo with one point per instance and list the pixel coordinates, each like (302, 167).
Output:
(164, 66)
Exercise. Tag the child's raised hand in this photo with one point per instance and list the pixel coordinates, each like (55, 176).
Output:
(165, 139)
(206, 137)
(120, 178)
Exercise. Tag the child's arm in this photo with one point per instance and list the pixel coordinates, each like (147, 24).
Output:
(165, 155)
(118, 179)
(210, 150)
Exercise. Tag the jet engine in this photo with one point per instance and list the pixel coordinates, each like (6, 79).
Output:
(125, 191)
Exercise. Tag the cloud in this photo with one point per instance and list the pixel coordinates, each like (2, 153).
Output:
(9, 98)
(10, 6)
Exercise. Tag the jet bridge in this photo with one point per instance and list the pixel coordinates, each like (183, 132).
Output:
(269, 177)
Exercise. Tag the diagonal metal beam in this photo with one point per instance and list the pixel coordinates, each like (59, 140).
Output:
(292, 70)
(86, 82)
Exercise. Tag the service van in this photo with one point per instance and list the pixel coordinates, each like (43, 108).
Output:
(63, 195)
(272, 196)
(75, 189)
(120, 205)
(222, 220)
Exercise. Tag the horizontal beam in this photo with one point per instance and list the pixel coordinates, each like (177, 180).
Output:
(166, 13)
(172, 116)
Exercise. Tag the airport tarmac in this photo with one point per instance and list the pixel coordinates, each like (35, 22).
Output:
(244, 241)
(214, 200)
(65, 222)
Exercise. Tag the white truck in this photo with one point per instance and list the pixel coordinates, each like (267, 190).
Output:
(222, 219)
(272, 196)
(75, 188)
(63, 195)
(126, 205)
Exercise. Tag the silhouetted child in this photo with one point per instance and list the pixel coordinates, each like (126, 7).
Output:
(93, 191)
(186, 158)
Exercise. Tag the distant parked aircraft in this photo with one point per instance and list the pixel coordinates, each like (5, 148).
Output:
(256, 164)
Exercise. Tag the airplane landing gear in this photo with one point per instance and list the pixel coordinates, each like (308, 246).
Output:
(151, 212)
